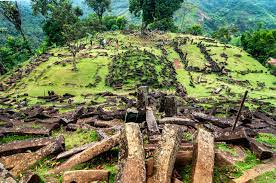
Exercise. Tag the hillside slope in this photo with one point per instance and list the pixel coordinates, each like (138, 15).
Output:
(212, 14)
(199, 66)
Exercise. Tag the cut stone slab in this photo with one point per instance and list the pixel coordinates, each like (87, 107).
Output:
(22, 146)
(24, 164)
(165, 155)
(151, 121)
(107, 124)
(30, 177)
(224, 158)
(132, 156)
(170, 106)
(178, 121)
(25, 131)
(11, 161)
(6, 176)
(236, 136)
(203, 157)
(256, 171)
(73, 151)
(85, 176)
(261, 151)
(91, 152)
(220, 122)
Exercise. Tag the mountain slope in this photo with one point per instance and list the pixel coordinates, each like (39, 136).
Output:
(212, 14)
(200, 66)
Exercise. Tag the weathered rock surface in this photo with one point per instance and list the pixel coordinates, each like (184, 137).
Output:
(203, 157)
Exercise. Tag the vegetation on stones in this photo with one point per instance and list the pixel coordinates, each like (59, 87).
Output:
(77, 138)
(11, 138)
(226, 148)
(267, 138)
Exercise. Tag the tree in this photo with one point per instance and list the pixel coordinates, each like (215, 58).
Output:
(154, 10)
(11, 12)
(58, 14)
(260, 44)
(99, 6)
(195, 30)
(42, 6)
(72, 34)
(13, 52)
(224, 34)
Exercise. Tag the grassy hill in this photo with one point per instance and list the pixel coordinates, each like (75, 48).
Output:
(200, 66)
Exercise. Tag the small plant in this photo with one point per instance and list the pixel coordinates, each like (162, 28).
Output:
(187, 136)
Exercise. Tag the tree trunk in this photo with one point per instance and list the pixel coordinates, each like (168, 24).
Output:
(25, 40)
(74, 62)
(203, 157)
(132, 156)
(165, 155)
(88, 154)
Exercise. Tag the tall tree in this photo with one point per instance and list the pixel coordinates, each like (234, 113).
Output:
(10, 10)
(58, 14)
(154, 10)
(99, 6)
(72, 34)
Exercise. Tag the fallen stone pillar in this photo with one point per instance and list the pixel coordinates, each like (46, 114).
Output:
(165, 155)
(203, 157)
(85, 176)
(132, 156)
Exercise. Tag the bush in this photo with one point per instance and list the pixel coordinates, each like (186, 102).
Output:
(195, 30)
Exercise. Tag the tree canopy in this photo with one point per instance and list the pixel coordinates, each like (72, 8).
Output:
(99, 7)
(154, 10)
(261, 44)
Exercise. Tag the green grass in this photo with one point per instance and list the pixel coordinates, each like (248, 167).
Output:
(44, 165)
(106, 161)
(249, 162)
(185, 173)
(226, 148)
(269, 177)
(62, 79)
(11, 138)
(268, 139)
(77, 138)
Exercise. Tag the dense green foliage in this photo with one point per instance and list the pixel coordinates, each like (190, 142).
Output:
(224, 34)
(10, 11)
(13, 52)
(99, 7)
(158, 12)
(60, 15)
(195, 30)
(261, 44)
